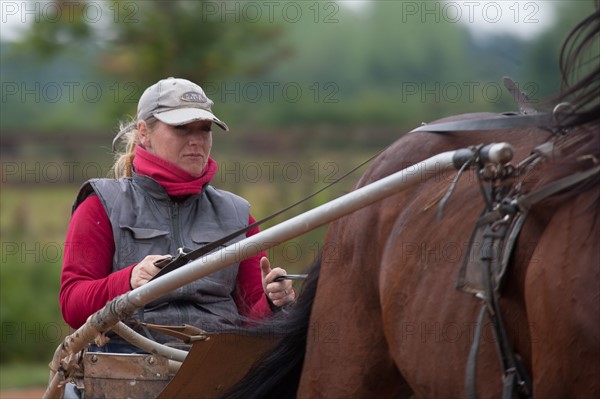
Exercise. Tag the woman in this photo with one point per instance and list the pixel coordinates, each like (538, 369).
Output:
(161, 200)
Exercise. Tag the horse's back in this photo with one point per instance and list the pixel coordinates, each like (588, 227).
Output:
(429, 323)
(387, 284)
(395, 251)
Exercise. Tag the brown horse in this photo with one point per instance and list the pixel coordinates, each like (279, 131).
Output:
(393, 319)
(380, 316)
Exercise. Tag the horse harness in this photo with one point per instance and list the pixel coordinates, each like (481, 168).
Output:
(507, 204)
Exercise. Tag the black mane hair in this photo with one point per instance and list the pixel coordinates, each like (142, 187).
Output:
(584, 93)
(277, 374)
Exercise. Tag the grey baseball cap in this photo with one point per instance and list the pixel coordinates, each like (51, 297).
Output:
(176, 102)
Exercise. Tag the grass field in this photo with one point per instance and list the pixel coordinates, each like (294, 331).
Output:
(17, 376)
(33, 221)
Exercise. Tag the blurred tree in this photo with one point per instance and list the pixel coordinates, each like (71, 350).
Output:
(55, 26)
(120, 47)
(142, 41)
(191, 39)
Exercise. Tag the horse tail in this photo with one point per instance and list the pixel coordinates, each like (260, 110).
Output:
(277, 374)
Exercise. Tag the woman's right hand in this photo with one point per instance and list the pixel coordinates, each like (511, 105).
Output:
(145, 270)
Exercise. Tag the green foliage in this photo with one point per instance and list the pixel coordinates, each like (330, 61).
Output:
(100, 67)
(52, 31)
(166, 38)
(155, 38)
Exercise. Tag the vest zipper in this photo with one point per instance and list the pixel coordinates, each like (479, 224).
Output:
(186, 289)
(175, 224)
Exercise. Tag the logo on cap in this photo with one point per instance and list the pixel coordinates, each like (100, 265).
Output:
(194, 97)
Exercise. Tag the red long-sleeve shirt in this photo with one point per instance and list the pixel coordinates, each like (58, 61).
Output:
(87, 281)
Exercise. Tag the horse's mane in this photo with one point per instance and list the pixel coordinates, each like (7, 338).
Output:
(277, 374)
(579, 56)
(584, 93)
(579, 63)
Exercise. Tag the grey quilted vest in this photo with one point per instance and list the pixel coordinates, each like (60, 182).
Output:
(145, 221)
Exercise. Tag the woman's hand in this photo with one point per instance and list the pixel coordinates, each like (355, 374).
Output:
(279, 293)
(145, 270)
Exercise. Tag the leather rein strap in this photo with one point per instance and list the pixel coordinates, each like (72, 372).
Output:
(527, 201)
(505, 121)
(185, 256)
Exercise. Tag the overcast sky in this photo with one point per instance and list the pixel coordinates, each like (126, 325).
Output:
(524, 19)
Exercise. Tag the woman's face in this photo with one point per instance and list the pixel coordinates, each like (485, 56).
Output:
(187, 146)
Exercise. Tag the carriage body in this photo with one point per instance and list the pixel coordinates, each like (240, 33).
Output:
(213, 364)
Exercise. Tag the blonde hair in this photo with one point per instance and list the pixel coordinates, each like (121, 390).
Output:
(128, 133)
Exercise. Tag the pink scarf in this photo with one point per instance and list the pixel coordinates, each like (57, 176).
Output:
(175, 180)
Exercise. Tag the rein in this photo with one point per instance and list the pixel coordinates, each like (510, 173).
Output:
(185, 256)
(508, 120)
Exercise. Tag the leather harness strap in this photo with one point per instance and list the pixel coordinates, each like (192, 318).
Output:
(497, 222)
(500, 222)
(495, 227)
(516, 377)
(527, 201)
